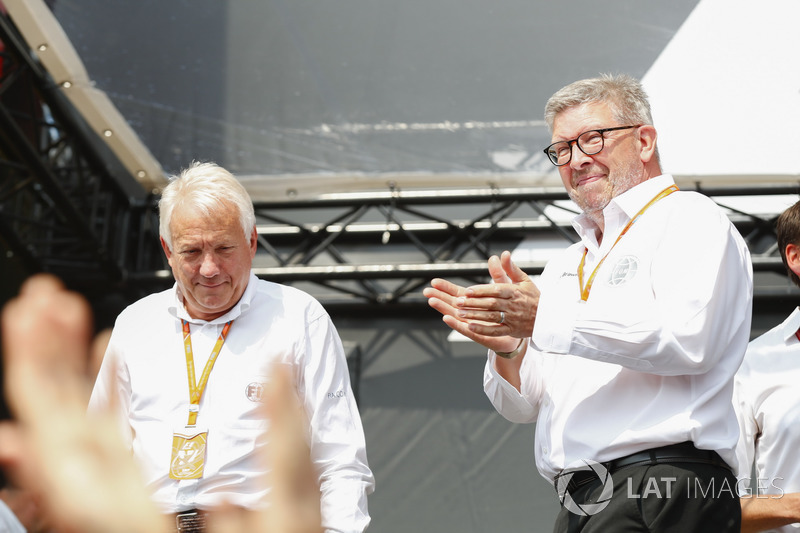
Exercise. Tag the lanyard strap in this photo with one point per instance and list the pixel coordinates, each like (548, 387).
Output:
(588, 287)
(196, 389)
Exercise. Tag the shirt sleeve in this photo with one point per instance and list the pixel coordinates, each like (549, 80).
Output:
(688, 307)
(515, 406)
(338, 448)
(112, 388)
(748, 426)
(9, 521)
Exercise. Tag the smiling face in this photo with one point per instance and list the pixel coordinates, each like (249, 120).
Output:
(592, 181)
(210, 259)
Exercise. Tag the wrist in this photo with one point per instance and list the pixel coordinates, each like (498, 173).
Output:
(512, 354)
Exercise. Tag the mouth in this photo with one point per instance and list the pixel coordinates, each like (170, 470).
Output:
(210, 286)
(586, 179)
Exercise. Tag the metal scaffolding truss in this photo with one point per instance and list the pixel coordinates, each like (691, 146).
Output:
(68, 207)
(382, 247)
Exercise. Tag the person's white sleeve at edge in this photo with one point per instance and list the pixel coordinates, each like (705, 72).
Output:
(338, 448)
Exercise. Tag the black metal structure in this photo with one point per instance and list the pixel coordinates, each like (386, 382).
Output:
(69, 208)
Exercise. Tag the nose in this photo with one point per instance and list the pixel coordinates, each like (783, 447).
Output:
(578, 158)
(209, 267)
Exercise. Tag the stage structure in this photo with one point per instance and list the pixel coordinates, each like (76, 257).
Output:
(76, 203)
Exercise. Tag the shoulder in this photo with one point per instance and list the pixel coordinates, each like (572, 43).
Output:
(768, 340)
(695, 216)
(290, 299)
(760, 349)
(145, 309)
(701, 206)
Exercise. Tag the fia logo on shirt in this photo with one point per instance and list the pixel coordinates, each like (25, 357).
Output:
(254, 391)
(624, 270)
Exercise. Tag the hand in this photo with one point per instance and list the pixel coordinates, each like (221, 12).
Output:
(78, 465)
(475, 311)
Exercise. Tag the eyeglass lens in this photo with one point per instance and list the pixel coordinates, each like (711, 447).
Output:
(590, 143)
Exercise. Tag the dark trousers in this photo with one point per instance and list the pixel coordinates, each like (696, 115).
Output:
(655, 498)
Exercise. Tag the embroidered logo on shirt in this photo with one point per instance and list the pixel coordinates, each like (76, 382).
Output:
(254, 391)
(623, 271)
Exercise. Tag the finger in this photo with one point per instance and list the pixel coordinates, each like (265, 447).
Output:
(496, 270)
(447, 287)
(41, 284)
(47, 326)
(434, 294)
(98, 351)
(294, 481)
(475, 294)
(493, 341)
(466, 314)
(516, 274)
(492, 318)
(13, 456)
(232, 519)
(442, 306)
(45, 339)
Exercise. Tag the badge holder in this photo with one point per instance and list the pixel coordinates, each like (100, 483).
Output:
(188, 451)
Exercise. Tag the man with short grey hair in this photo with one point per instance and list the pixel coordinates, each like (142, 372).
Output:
(624, 352)
(186, 368)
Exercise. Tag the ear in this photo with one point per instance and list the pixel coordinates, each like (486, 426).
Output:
(793, 258)
(166, 249)
(253, 243)
(647, 141)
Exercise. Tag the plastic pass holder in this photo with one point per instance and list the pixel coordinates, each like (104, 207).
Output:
(188, 453)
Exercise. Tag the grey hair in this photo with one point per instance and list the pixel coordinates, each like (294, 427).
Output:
(624, 95)
(204, 187)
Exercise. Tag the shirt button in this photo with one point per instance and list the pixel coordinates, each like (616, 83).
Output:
(545, 451)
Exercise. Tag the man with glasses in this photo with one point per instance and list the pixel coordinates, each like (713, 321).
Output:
(624, 352)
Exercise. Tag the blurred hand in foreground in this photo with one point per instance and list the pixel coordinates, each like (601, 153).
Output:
(79, 466)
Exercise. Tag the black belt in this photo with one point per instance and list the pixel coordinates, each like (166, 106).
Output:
(685, 452)
(191, 521)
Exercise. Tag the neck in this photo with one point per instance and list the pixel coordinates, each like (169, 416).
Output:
(200, 315)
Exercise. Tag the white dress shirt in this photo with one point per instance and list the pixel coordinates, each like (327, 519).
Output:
(767, 400)
(649, 358)
(271, 323)
(9, 523)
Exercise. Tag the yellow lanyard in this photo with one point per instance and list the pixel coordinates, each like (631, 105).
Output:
(196, 389)
(585, 289)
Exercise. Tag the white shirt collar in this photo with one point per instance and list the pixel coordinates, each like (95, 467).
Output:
(791, 325)
(621, 208)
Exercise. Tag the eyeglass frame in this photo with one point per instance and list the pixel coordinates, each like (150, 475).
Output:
(601, 131)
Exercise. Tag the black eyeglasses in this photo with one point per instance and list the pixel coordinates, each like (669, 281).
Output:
(589, 142)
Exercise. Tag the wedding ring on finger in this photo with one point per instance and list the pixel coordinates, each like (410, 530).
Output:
(502, 317)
